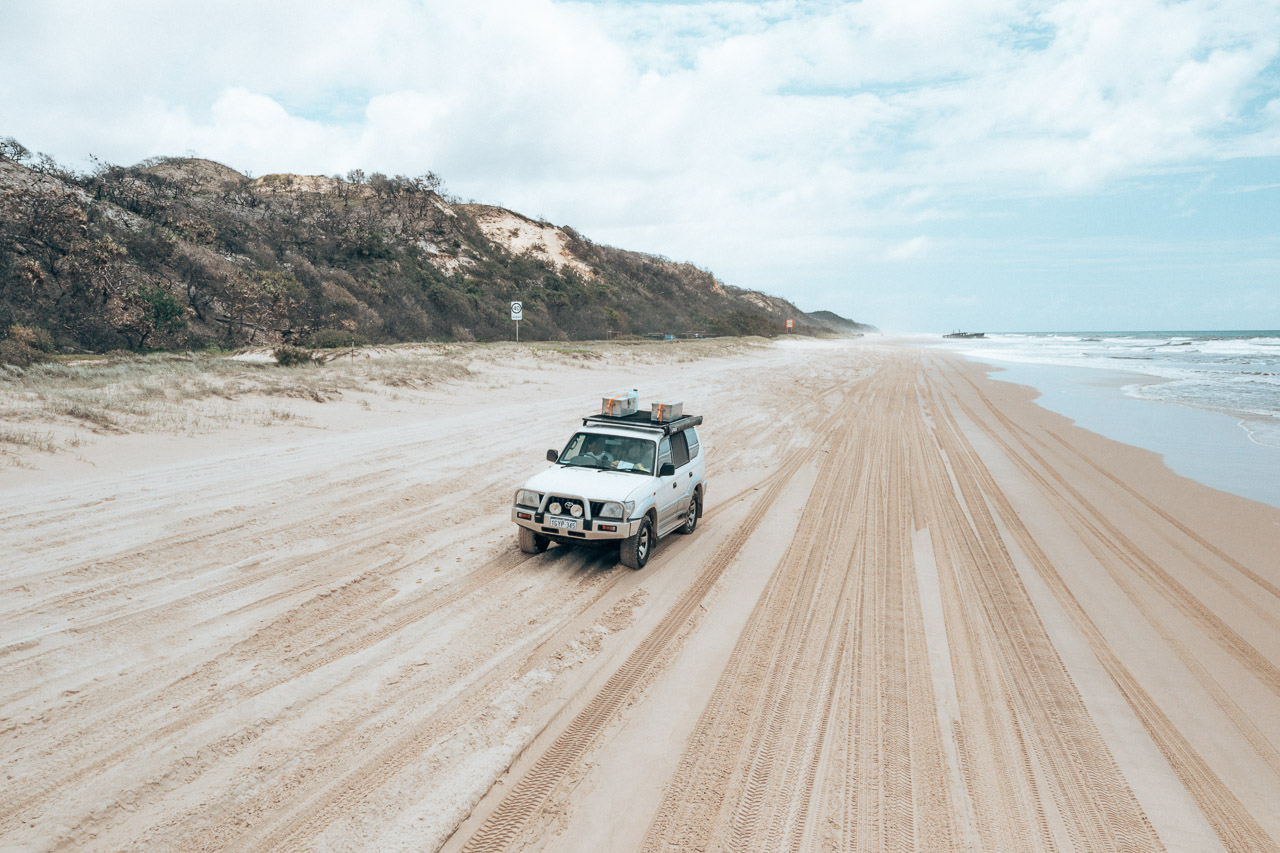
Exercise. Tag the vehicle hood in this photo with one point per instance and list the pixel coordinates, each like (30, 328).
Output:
(596, 484)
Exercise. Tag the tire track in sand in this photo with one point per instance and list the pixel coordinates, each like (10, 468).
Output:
(310, 820)
(782, 725)
(326, 628)
(515, 815)
(1031, 758)
(1116, 553)
(1087, 801)
(1231, 821)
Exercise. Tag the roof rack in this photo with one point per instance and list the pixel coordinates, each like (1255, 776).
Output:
(641, 420)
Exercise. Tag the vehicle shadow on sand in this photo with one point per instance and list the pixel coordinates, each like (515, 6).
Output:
(595, 559)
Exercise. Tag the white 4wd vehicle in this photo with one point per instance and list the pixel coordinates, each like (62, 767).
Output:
(626, 478)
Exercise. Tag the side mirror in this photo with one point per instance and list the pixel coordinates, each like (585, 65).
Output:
(552, 456)
(668, 469)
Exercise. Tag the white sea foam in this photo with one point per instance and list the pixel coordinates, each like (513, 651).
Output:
(1233, 372)
(1264, 432)
(1207, 374)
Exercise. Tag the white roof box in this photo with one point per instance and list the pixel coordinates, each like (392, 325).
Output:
(621, 404)
(666, 411)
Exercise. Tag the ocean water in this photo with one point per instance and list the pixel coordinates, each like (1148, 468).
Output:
(1209, 402)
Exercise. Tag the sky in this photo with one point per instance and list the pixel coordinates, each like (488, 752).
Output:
(921, 165)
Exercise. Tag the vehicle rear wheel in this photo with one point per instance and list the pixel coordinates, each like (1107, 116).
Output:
(635, 550)
(530, 542)
(691, 516)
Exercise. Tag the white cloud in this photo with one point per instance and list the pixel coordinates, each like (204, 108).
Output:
(983, 93)
(907, 249)
(712, 131)
(1253, 188)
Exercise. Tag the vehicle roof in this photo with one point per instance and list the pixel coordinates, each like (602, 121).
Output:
(641, 422)
(621, 432)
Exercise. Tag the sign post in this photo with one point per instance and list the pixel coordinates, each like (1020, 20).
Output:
(790, 324)
(517, 312)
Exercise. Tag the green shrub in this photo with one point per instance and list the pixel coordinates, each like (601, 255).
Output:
(164, 310)
(17, 353)
(23, 346)
(32, 336)
(287, 356)
(743, 323)
(335, 339)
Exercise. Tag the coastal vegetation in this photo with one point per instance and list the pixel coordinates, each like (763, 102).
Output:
(184, 254)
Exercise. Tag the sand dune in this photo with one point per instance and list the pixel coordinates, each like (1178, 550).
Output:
(921, 613)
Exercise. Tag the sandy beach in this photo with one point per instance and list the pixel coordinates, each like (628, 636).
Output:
(920, 613)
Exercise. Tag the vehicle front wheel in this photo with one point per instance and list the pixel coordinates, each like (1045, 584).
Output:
(635, 550)
(691, 516)
(530, 542)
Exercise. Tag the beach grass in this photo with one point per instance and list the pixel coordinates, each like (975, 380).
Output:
(42, 407)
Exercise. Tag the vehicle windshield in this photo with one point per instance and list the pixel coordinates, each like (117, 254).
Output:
(616, 452)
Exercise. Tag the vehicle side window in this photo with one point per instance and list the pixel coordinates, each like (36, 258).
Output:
(694, 447)
(664, 453)
(679, 450)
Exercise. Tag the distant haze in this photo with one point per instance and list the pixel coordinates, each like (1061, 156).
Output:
(923, 166)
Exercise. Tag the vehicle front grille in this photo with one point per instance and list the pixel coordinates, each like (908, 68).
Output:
(566, 504)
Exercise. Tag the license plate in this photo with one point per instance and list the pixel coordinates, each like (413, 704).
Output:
(563, 523)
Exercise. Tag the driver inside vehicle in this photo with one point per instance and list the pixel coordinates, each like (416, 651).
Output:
(594, 448)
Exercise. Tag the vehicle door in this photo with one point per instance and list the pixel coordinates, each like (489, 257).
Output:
(674, 491)
(698, 462)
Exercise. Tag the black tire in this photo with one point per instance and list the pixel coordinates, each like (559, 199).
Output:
(530, 542)
(691, 516)
(635, 550)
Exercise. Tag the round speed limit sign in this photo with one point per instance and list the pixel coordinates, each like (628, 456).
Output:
(516, 310)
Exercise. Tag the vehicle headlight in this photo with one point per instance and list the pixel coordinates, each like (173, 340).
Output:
(524, 497)
(576, 510)
(616, 509)
(554, 507)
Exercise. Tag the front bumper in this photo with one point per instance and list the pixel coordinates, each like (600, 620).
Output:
(585, 529)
